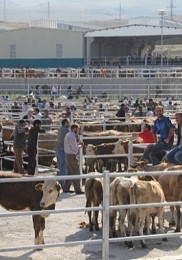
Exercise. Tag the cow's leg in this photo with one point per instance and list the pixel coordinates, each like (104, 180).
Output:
(88, 204)
(178, 214)
(161, 222)
(113, 214)
(141, 220)
(172, 221)
(39, 226)
(153, 225)
(131, 225)
(96, 214)
(122, 217)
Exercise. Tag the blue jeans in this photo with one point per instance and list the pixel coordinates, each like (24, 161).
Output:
(175, 155)
(154, 152)
(61, 165)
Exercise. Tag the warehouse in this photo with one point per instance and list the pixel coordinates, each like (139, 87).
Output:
(41, 48)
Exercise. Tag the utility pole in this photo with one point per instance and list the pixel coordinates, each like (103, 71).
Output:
(48, 11)
(172, 9)
(4, 11)
(120, 11)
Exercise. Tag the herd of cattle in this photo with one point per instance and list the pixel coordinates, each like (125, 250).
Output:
(137, 190)
(123, 191)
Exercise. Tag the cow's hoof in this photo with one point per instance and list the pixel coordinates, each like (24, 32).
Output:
(153, 231)
(177, 230)
(143, 245)
(97, 228)
(172, 223)
(129, 244)
(164, 239)
(91, 229)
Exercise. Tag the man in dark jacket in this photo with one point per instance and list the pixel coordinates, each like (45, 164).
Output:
(121, 112)
(175, 155)
(19, 144)
(32, 145)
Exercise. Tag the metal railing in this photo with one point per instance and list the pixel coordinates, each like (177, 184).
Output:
(105, 210)
(93, 72)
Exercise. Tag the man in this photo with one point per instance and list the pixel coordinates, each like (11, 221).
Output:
(165, 129)
(37, 114)
(46, 120)
(71, 148)
(175, 155)
(32, 145)
(139, 112)
(63, 130)
(121, 112)
(19, 144)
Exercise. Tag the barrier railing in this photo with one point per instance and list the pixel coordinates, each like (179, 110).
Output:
(94, 72)
(105, 210)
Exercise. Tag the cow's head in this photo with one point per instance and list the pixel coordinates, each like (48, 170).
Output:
(119, 147)
(50, 191)
(90, 149)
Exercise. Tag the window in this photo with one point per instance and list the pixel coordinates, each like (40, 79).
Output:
(59, 50)
(13, 51)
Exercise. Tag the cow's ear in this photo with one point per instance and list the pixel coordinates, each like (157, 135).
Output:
(58, 187)
(39, 186)
(95, 147)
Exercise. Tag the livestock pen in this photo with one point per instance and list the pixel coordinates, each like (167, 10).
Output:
(108, 249)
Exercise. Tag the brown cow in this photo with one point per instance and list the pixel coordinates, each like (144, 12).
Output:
(94, 197)
(145, 192)
(32, 195)
(119, 195)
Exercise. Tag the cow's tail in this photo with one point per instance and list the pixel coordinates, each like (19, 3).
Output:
(133, 200)
(89, 184)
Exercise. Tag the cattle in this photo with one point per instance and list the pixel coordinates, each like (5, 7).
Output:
(171, 185)
(98, 141)
(94, 197)
(145, 192)
(119, 195)
(103, 149)
(34, 196)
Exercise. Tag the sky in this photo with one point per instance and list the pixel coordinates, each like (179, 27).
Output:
(82, 10)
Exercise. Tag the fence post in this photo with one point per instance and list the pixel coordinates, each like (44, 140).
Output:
(105, 232)
(130, 153)
(37, 157)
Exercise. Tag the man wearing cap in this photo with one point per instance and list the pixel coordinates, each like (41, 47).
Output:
(175, 155)
(19, 144)
(32, 145)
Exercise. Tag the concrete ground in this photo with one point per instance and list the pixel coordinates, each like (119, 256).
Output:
(18, 231)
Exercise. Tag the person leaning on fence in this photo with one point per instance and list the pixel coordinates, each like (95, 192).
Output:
(32, 145)
(71, 149)
(121, 112)
(165, 129)
(63, 130)
(175, 155)
(147, 135)
(19, 145)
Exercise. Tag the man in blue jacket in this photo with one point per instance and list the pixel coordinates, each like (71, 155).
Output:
(163, 131)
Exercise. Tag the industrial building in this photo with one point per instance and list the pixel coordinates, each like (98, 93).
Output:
(44, 44)
(41, 47)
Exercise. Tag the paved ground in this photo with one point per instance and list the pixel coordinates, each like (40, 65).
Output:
(18, 231)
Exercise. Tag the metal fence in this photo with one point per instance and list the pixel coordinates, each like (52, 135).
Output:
(105, 211)
(93, 72)
(103, 91)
